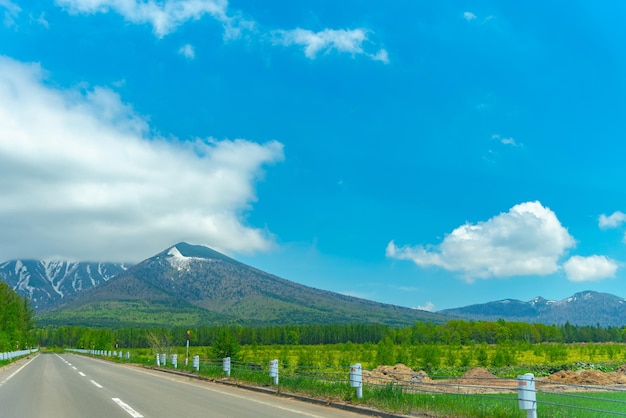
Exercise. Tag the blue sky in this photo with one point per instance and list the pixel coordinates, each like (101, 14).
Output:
(423, 154)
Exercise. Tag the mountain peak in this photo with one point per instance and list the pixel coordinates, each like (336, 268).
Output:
(189, 279)
(586, 294)
(582, 308)
(185, 250)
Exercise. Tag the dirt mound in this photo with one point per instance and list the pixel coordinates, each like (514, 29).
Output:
(587, 377)
(397, 373)
(479, 373)
(481, 380)
(479, 376)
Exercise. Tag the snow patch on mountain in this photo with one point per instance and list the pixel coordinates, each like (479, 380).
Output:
(177, 260)
(46, 283)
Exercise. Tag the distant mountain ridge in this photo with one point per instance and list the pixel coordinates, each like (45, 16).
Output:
(583, 308)
(49, 283)
(196, 283)
(191, 284)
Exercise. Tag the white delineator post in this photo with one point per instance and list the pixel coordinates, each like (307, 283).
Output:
(175, 360)
(187, 353)
(226, 365)
(274, 371)
(158, 360)
(356, 379)
(196, 363)
(527, 395)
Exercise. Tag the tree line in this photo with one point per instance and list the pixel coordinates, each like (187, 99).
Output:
(455, 332)
(16, 320)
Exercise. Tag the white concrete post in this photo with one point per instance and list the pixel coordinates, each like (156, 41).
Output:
(527, 395)
(356, 379)
(158, 360)
(175, 360)
(274, 371)
(226, 365)
(196, 363)
(163, 359)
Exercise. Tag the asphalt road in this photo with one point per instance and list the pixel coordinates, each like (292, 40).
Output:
(73, 386)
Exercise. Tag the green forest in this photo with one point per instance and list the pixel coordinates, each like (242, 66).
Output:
(17, 331)
(454, 332)
(16, 320)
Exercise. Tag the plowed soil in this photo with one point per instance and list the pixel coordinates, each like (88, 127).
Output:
(481, 380)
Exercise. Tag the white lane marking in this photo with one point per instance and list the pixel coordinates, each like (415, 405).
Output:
(82, 374)
(268, 404)
(96, 384)
(233, 395)
(127, 408)
(74, 368)
(17, 371)
(242, 397)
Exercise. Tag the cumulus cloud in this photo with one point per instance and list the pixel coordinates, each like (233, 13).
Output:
(528, 239)
(593, 268)
(327, 40)
(165, 16)
(187, 51)
(614, 220)
(83, 178)
(430, 307)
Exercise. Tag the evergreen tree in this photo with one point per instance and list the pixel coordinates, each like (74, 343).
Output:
(16, 320)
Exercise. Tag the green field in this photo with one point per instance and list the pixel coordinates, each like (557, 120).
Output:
(315, 359)
(322, 371)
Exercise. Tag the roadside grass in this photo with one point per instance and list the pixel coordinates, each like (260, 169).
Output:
(331, 382)
(397, 400)
(581, 404)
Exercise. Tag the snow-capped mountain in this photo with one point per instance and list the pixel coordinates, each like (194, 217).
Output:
(193, 284)
(583, 308)
(49, 283)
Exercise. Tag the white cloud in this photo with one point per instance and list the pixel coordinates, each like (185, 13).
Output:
(40, 20)
(430, 307)
(327, 40)
(593, 268)
(614, 220)
(381, 56)
(506, 141)
(528, 239)
(469, 16)
(187, 51)
(82, 178)
(164, 16)
(11, 12)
